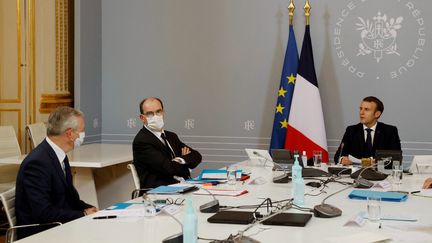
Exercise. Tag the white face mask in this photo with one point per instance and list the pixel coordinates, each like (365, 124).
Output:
(155, 123)
(79, 140)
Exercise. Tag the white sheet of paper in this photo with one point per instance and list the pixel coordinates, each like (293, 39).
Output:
(425, 192)
(354, 159)
(362, 237)
(401, 232)
(358, 220)
(385, 185)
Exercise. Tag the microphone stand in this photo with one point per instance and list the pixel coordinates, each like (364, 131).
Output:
(340, 152)
(212, 206)
(176, 238)
(241, 238)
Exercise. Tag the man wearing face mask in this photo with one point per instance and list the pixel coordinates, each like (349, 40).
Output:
(44, 189)
(159, 156)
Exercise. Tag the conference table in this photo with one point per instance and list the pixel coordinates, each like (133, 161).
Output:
(156, 228)
(102, 160)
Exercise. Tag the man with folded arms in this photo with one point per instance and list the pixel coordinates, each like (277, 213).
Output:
(44, 189)
(159, 156)
(363, 139)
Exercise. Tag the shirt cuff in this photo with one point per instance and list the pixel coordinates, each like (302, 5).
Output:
(179, 160)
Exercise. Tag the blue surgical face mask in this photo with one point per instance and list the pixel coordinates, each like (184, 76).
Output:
(155, 123)
(79, 140)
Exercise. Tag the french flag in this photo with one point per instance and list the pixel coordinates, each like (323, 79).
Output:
(306, 129)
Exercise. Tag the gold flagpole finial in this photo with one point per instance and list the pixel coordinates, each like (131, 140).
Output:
(291, 8)
(307, 9)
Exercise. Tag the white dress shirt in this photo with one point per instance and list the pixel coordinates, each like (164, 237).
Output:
(61, 155)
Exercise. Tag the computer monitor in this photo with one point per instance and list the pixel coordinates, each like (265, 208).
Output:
(283, 157)
(395, 155)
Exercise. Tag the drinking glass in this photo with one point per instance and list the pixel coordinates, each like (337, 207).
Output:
(232, 174)
(397, 172)
(317, 158)
(374, 208)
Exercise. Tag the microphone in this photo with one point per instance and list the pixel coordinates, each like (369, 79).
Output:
(361, 182)
(284, 178)
(324, 210)
(176, 238)
(261, 156)
(212, 206)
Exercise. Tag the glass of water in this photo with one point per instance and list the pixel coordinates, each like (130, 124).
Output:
(232, 174)
(317, 158)
(374, 208)
(397, 172)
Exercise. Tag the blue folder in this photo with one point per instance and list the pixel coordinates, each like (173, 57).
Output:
(172, 189)
(385, 196)
(208, 174)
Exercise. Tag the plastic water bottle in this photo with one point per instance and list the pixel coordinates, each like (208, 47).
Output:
(304, 158)
(298, 182)
(190, 224)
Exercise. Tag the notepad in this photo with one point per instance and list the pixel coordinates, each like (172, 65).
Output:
(385, 196)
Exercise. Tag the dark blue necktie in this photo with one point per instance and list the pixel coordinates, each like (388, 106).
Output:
(67, 170)
(167, 146)
(369, 142)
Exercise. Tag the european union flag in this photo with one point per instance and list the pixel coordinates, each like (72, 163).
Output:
(286, 90)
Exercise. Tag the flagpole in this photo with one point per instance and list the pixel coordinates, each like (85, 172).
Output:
(307, 9)
(291, 8)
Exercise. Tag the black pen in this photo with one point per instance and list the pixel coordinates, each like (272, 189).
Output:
(106, 217)
(415, 192)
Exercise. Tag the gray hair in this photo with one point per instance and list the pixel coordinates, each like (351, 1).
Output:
(62, 119)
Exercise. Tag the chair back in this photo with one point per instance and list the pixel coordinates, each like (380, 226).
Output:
(37, 133)
(421, 164)
(135, 177)
(8, 201)
(9, 145)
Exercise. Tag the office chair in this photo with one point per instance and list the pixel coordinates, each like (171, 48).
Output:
(8, 201)
(9, 147)
(36, 132)
(138, 190)
(421, 163)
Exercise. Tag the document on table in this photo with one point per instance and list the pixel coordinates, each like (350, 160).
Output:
(362, 237)
(409, 233)
(425, 193)
(221, 192)
(131, 213)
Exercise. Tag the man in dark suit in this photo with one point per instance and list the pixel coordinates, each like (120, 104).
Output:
(159, 156)
(363, 139)
(44, 189)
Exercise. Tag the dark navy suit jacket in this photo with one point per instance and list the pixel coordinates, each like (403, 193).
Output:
(152, 159)
(386, 138)
(44, 193)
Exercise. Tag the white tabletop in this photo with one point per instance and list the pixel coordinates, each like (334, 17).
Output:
(95, 155)
(154, 229)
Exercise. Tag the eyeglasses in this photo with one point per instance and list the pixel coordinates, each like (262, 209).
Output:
(150, 114)
(177, 201)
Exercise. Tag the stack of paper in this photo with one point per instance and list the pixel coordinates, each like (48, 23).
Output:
(221, 192)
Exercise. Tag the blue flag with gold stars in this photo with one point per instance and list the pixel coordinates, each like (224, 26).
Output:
(286, 90)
